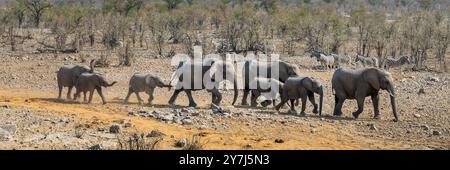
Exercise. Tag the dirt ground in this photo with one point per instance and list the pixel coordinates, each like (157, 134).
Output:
(32, 118)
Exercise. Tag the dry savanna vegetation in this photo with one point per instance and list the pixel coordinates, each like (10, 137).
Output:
(124, 37)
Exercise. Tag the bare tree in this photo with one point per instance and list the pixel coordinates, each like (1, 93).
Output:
(37, 9)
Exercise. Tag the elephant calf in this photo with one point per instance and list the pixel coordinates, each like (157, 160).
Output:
(267, 87)
(358, 84)
(304, 88)
(144, 83)
(90, 82)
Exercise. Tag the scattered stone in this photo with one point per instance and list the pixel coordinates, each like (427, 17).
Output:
(131, 113)
(417, 115)
(187, 121)
(322, 119)
(279, 141)
(5, 107)
(217, 109)
(119, 121)
(7, 131)
(127, 125)
(96, 147)
(421, 91)
(114, 129)
(248, 145)
(167, 117)
(313, 130)
(436, 133)
(155, 133)
(425, 127)
(434, 79)
(372, 127)
(181, 143)
(259, 118)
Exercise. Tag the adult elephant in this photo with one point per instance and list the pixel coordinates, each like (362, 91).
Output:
(67, 76)
(253, 69)
(358, 84)
(205, 78)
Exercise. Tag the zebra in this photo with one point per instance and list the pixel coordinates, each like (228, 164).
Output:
(367, 61)
(339, 59)
(391, 62)
(326, 61)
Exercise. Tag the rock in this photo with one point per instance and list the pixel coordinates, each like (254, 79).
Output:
(131, 113)
(248, 145)
(313, 130)
(119, 121)
(5, 107)
(421, 91)
(322, 119)
(187, 121)
(259, 118)
(114, 129)
(127, 125)
(279, 141)
(417, 115)
(372, 127)
(181, 143)
(96, 147)
(434, 79)
(142, 111)
(217, 109)
(167, 117)
(425, 127)
(436, 133)
(155, 133)
(195, 113)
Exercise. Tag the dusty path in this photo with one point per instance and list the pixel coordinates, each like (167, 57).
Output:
(236, 137)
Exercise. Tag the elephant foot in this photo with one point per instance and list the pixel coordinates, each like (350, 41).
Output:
(104, 103)
(355, 115)
(293, 112)
(337, 113)
(315, 110)
(266, 103)
(192, 105)
(244, 104)
(302, 114)
(378, 117)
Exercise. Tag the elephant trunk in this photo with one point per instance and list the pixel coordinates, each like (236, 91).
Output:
(320, 100)
(112, 84)
(393, 102)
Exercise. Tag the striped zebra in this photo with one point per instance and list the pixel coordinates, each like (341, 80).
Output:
(367, 61)
(326, 61)
(341, 60)
(391, 62)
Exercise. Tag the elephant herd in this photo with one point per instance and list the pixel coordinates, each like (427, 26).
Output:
(288, 84)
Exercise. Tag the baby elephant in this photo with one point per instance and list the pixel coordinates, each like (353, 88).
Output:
(267, 87)
(144, 83)
(90, 82)
(301, 87)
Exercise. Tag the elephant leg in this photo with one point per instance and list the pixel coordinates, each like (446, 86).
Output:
(69, 91)
(254, 96)
(60, 88)
(127, 98)
(338, 105)
(191, 99)
(216, 96)
(174, 96)
(244, 98)
(282, 102)
(376, 108)
(360, 101)
(150, 96)
(91, 93)
(313, 102)
(84, 97)
(99, 91)
(304, 99)
(292, 105)
(76, 95)
(138, 97)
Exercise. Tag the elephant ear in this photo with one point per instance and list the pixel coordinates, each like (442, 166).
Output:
(307, 83)
(148, 80)
(371, 77)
